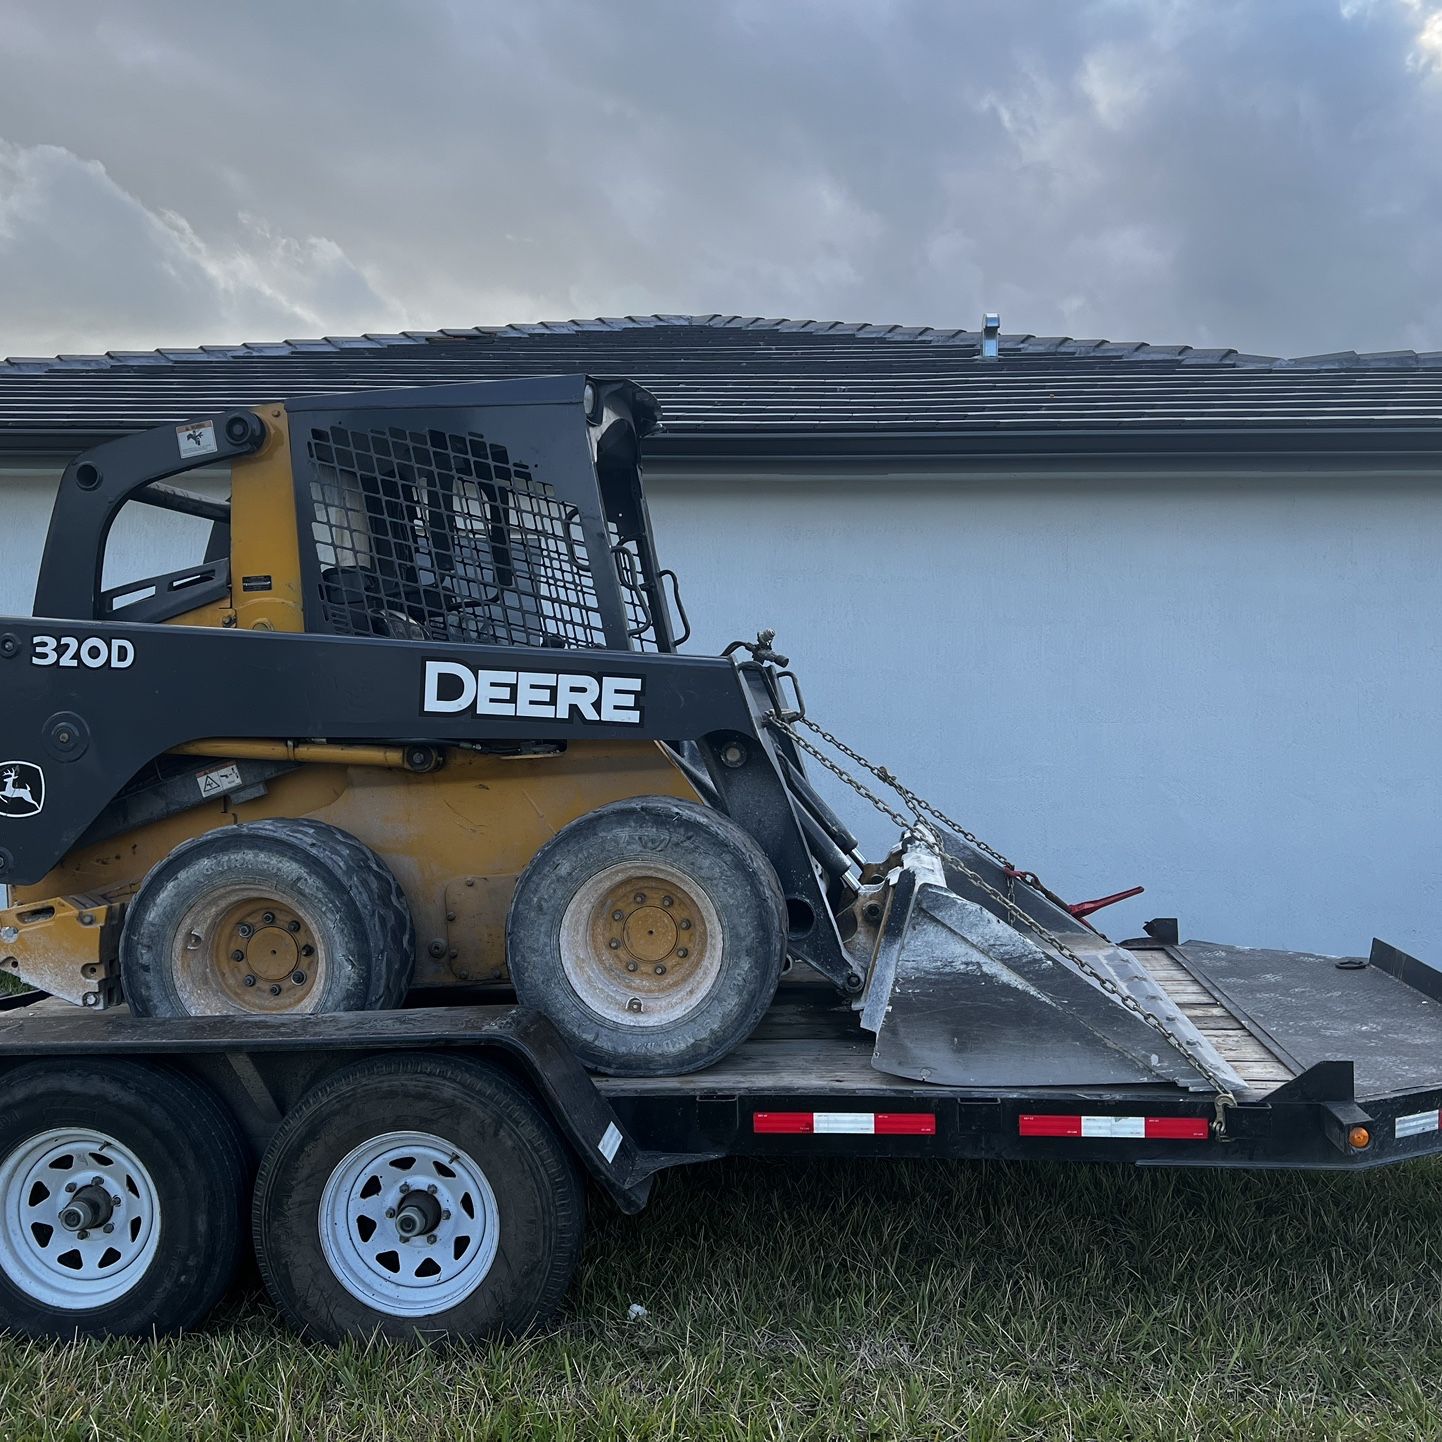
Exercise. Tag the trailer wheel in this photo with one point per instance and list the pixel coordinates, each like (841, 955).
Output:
(271, 917)
(651, 932)
(120, 1200)
(417, 1196)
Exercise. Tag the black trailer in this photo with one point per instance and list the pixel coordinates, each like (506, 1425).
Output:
(421, 1171)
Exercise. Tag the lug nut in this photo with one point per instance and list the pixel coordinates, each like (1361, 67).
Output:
(237, 955)
(292, 927)
(668, 901)
(297, 978)
(682, 951)
(390, 1212)
(115, 1201)
(432, 1189)
(631, 966)
(684, 924)
(84, 1236)
(446, 1215)
(634, 1004)
(307, 950)
(614, 944)
(660, 970)
(97, 1181)
(618, 916)
(640, 897)
(250, 981)
(405, 1187)
(275, 989)
(108, 1228)
(267, 918)
(70, 1186)
(245, 929)
(431, 1240)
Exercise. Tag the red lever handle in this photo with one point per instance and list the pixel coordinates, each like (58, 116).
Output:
(1082, 909)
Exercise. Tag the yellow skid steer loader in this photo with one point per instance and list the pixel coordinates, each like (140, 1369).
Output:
(418, 723)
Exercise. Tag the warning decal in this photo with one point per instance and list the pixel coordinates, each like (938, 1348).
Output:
(219, 780)
(197, 439)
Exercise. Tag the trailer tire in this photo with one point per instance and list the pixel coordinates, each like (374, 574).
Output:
(172, 1155)
(279, 916)
(652, 933)
(466, 1141)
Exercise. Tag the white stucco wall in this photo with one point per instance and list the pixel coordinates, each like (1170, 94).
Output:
(1224, 689)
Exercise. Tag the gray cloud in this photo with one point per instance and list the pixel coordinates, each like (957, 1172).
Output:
(1264, 174)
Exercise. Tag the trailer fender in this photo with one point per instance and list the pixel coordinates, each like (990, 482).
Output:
(583, 1116)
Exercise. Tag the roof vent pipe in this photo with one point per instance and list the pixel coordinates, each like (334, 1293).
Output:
(990, 336)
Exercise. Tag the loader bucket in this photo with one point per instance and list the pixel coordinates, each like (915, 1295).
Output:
(959, 996)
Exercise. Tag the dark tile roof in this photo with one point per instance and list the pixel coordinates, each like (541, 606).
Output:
(730, 376)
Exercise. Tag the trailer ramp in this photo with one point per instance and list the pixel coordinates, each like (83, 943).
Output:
(1253, 1055)
(1276, 1014)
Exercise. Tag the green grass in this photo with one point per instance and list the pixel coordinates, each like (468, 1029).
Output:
(863, 1302)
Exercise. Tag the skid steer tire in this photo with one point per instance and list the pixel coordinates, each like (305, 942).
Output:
(418, 1197)
(652, 933)
(272, 917)
(158, 1165)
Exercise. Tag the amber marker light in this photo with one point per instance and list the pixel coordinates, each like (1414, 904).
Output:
(1359, 1139)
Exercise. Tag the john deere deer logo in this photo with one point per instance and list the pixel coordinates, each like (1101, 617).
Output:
(22, 789)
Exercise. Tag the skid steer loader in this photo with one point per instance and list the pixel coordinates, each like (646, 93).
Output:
(418, 723)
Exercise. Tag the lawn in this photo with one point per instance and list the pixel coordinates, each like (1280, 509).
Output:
(868, 1301)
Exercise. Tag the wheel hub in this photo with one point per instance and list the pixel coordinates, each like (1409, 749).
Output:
(253, 952)
(649, 934)
(650, 931)
(420, 1214)
(89, 1208)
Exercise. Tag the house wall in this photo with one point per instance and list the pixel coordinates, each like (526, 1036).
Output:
(1225, 688)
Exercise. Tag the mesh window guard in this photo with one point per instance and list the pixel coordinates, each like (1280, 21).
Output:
(432, 535)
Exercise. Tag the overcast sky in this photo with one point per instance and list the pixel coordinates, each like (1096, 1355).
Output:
(1264, 174)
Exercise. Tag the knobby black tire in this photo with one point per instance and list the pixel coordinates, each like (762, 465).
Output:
(721, 859)
(360, 901)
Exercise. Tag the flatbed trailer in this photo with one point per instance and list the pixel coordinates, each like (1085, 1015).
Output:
(1341, 1061)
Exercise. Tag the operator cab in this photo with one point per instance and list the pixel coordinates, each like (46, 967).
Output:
(502, 513)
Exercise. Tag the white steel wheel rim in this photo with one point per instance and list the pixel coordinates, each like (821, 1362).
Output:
(54, 1264)
(362, 1208)
(609, 993)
